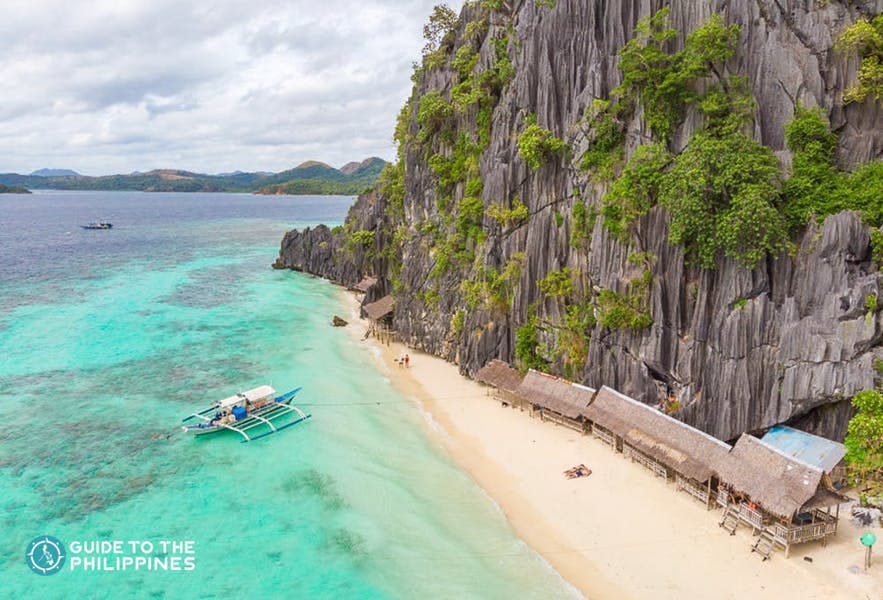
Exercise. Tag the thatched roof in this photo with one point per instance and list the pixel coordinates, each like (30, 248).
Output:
(381, 308)
(500, 375)
(781, 484)
(558, 395)
(364, 285)
(823, 498)
(684, 449)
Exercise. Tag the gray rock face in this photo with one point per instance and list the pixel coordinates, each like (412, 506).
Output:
(738, 350)
(743, 350)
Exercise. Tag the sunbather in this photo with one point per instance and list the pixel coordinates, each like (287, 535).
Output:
(578, 471)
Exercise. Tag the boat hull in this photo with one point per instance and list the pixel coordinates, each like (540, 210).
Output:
(263, 416)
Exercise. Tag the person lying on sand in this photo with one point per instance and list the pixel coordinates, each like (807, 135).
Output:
(578, 471)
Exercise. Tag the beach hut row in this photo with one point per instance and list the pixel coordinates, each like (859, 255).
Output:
(779, 485)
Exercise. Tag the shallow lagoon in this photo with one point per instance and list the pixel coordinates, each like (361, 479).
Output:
(109, 338)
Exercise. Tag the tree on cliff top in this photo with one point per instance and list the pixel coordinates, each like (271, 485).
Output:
(441, 22)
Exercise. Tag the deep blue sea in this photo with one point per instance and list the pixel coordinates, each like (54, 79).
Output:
(109, 338)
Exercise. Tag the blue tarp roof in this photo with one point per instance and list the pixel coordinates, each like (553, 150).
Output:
(805, 447)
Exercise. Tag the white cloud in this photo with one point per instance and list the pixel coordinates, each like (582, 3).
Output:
(112, 87)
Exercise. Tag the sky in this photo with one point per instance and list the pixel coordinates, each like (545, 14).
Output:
(212, 86)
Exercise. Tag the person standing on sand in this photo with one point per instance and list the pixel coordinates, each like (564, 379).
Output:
(407, 360)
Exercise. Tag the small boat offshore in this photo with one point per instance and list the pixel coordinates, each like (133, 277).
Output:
(98, 225)
(245, 411)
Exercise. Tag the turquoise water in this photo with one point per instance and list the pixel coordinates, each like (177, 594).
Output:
(109, 338)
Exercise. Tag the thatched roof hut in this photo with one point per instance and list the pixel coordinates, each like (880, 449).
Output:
(378, 310)
(554, 394)
(684, 449)
(782, 485)
(500, 375)
(364, 285)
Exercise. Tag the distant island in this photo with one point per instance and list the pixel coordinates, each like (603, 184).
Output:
(311, 177)
(11, 189)
(55, 173)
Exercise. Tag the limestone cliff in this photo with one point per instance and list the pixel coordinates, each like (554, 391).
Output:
(729, 349)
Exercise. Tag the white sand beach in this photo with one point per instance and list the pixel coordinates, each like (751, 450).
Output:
(620, 532)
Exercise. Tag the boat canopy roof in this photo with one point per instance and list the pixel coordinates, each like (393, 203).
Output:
(251, 395)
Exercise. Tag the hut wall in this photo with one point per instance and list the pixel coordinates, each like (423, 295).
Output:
(639, 457)
(512, 399)
(605, 435)
(550, 415)
(694, 488)
(822, 525)
(753, 516)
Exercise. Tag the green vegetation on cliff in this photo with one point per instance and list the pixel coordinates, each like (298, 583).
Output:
(664, 82)
(817, 188)
(722, 192)
(528, 354)
(453, 128)
(864, 442)
(865, 39)
(725, 191)
(537, 145)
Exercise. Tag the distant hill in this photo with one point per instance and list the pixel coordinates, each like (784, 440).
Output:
(369, 164)
(311, 177)
(308, 170)
(54, 173)
(7, 189)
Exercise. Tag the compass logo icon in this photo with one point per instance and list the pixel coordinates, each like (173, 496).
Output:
(45, 555)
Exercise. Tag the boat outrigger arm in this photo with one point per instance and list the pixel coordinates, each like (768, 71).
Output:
(277, 408)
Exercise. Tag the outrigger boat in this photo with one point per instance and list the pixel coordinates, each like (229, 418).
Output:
(98, 225)
(245, 411)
